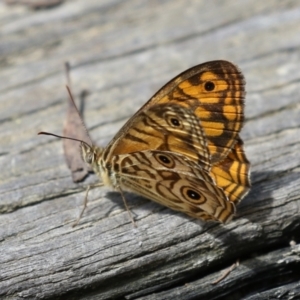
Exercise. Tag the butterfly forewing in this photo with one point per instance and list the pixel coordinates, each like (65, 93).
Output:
(166, 128)
(214, 91)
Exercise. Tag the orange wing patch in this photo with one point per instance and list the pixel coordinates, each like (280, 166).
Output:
(232, 174)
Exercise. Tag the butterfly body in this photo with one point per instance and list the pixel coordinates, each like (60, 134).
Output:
(182, 148)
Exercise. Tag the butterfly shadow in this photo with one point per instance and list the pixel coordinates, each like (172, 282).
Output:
(257, 206)
(256, 210)
(252, 217)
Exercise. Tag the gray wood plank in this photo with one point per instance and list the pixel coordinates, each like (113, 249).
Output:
(122, 52)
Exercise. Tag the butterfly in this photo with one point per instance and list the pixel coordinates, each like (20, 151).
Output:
(182, 148)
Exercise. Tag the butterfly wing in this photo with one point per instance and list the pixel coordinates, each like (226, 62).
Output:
(174, 181)
(213, 92)
(232, 174)
(165, 127)
(195, 120)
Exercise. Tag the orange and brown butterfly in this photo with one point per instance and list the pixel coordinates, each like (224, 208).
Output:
(182, 149)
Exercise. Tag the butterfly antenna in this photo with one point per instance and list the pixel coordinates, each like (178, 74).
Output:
(64, 137)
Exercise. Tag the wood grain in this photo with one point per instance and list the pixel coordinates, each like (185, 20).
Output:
(122, 52)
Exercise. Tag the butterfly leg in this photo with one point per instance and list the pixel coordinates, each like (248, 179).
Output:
(86, 201)
(126, 206)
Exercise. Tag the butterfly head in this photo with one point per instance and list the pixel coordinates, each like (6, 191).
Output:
(90, 154)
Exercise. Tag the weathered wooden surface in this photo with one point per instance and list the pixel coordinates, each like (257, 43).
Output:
(122, 52)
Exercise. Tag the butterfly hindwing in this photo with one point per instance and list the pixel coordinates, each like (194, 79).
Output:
(174, 181)
(232, 174)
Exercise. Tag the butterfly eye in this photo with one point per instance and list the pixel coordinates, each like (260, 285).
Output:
(209, 86)
(165, 160)
(89, 158)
